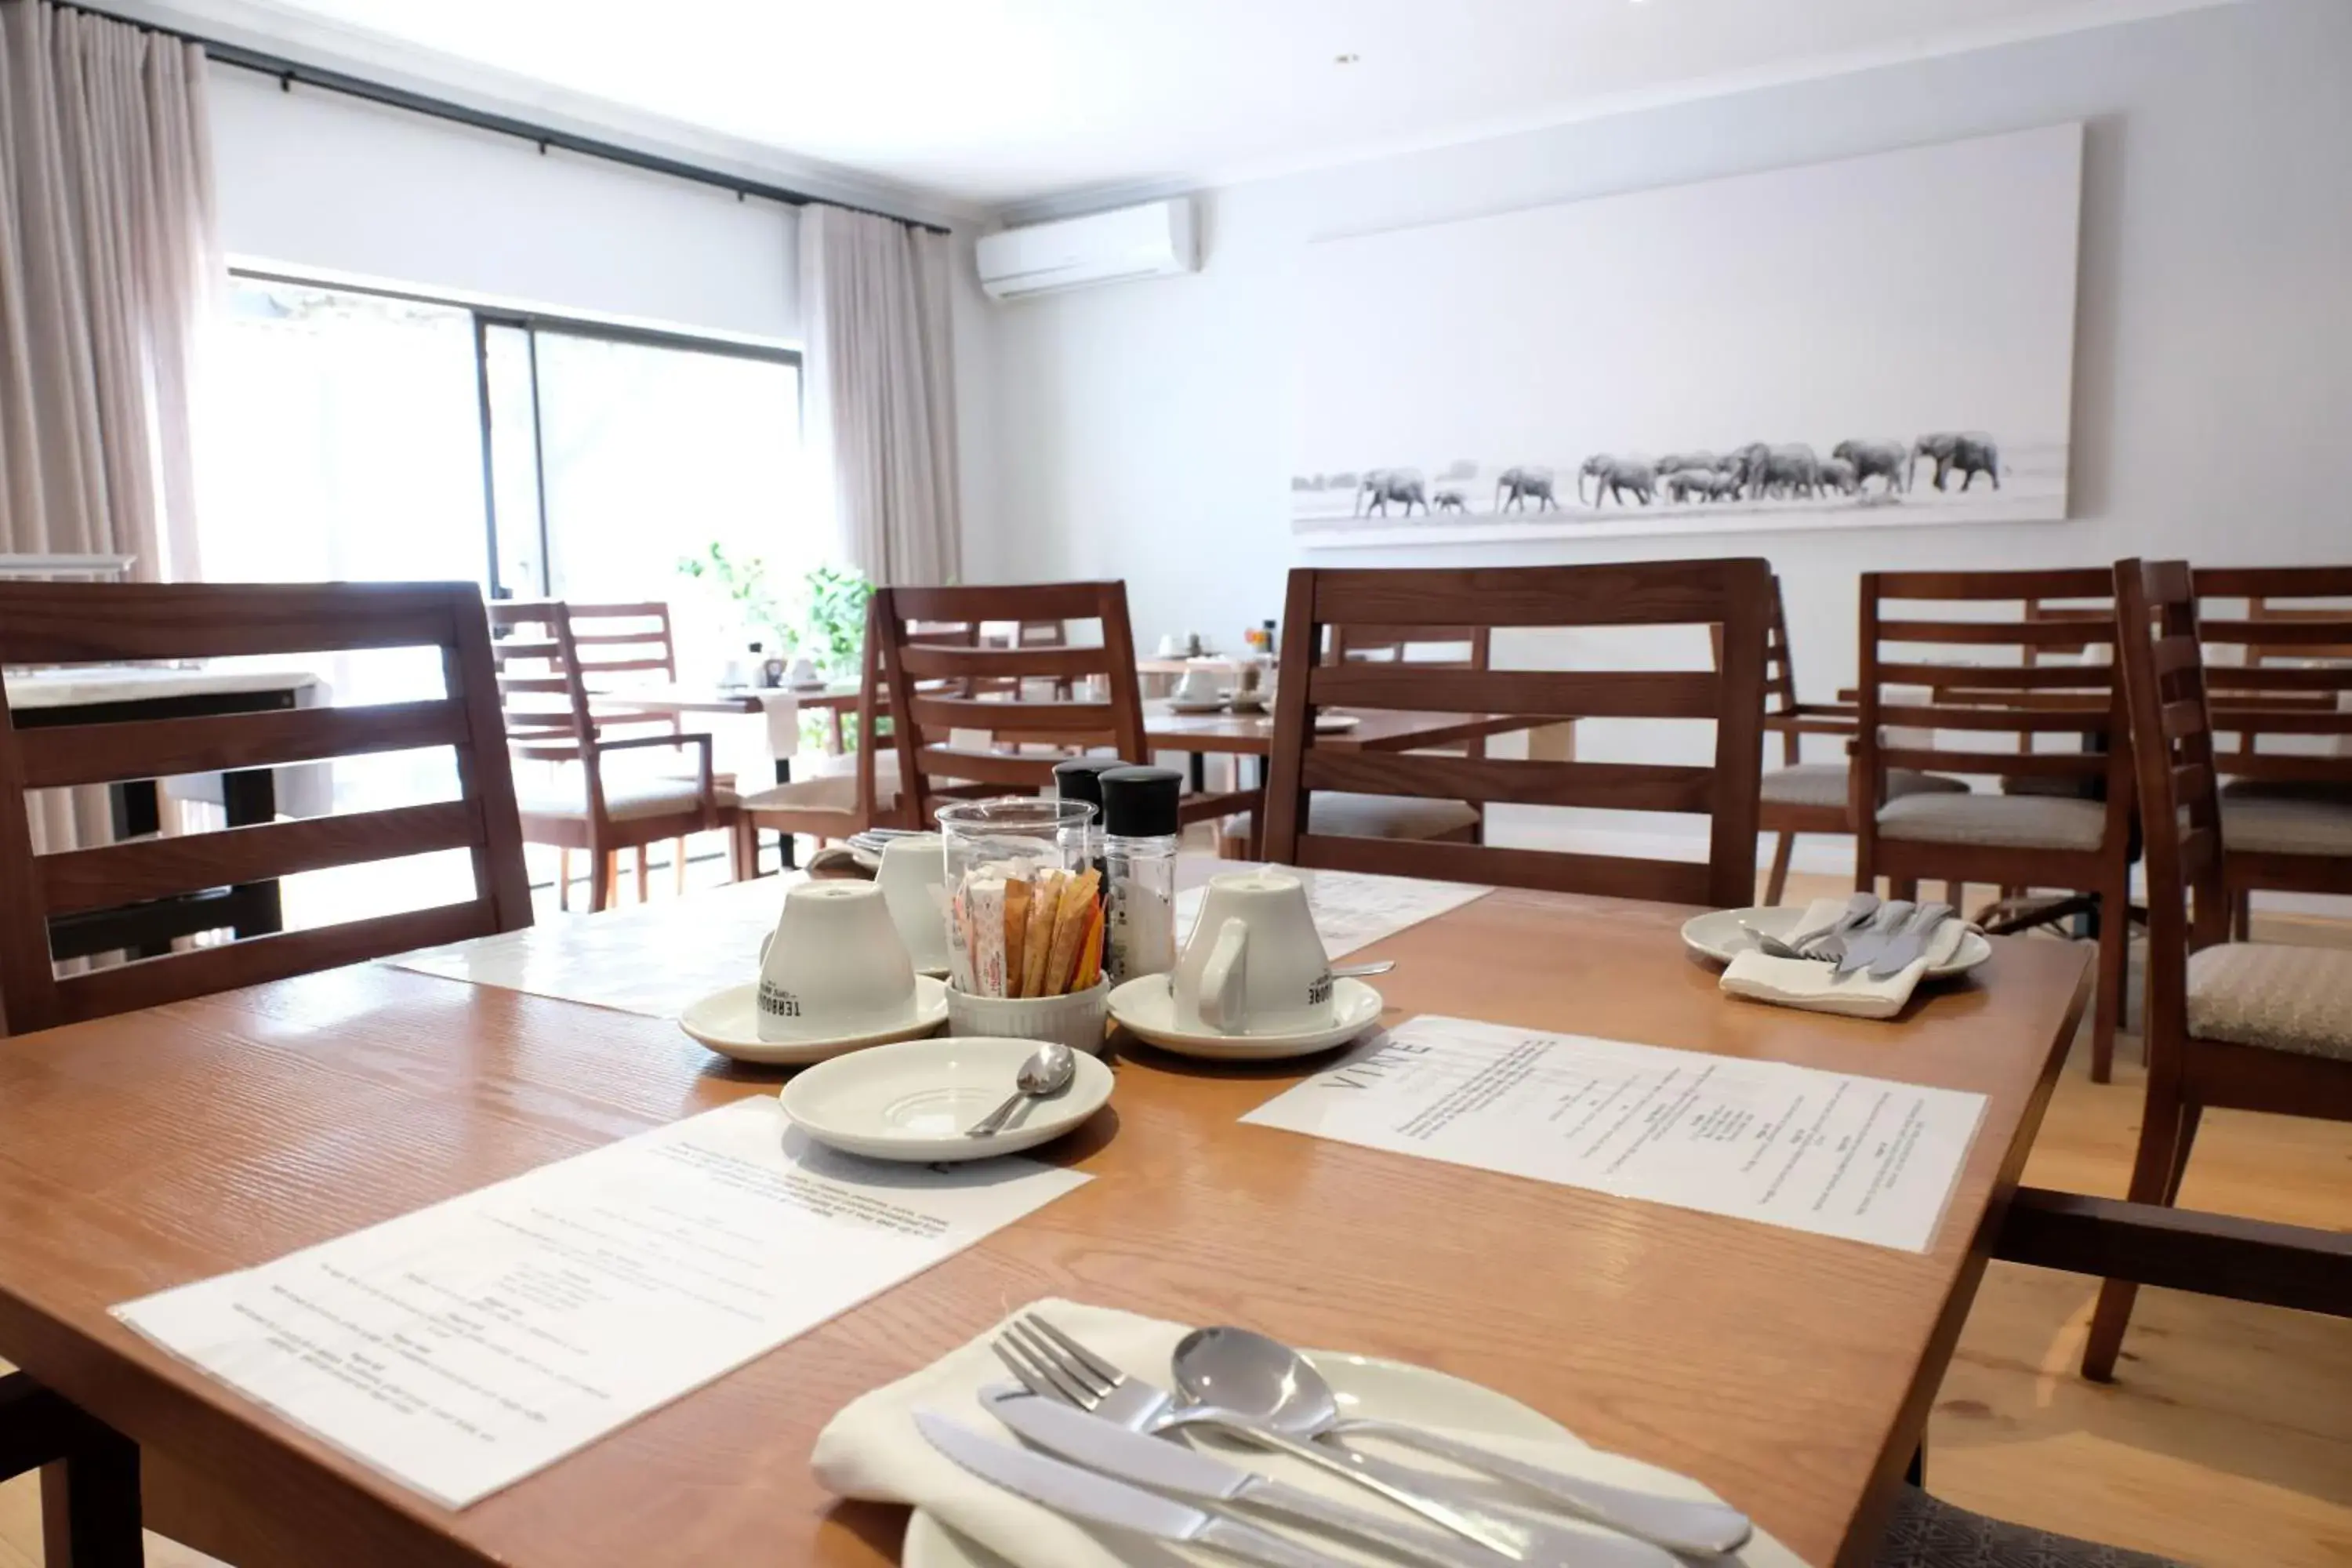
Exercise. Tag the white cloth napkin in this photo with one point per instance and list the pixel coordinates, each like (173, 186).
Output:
(783, 711)
(1802, 983)
(872, 1450)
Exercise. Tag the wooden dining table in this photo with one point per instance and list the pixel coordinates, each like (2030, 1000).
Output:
(1789, 1371)
(1226, 732)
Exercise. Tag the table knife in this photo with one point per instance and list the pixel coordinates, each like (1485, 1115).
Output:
(1166, 1465)
(1091, 1499)
(1909, 943)
(1859, 950)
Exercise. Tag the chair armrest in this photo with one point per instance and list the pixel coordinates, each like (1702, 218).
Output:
(2215, 1255)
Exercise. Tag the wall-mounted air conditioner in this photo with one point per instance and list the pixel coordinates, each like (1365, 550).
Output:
(1154, 240)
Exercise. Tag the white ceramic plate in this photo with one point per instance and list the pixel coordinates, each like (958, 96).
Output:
(729, 1023)
(1366, 1386)
(1716, 935)
(1144, 1006)
(1333, 723)
(912, 1101)
(1218, 706)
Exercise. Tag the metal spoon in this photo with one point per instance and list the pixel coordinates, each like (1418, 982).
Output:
(1362, 970)
(1858, 909)
(1268, 1381)
(1044, 1074)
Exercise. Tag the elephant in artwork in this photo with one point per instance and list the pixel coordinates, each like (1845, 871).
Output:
(1402, 485)
(1615, 476)
(1839, 475)
(1785, 471)
(1451, 498)
(1676, 462)
(1519, 486)
(1970, 452)
(1888, 460)
(1708, 483)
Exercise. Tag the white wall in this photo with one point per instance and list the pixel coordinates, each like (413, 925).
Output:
(1141, 431)
(315, 181)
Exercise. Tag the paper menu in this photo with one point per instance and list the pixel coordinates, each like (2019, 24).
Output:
(1835, 1153)
(461, 1348)
(1353, 911)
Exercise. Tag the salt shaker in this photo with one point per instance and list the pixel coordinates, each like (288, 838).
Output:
(1080, 779)
(1140, 836)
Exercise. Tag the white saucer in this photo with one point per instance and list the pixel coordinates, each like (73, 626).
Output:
(1366, 1386)
(912, 1101)
(1716, 935)
(1218, 706)
(729, 1023)
(1333, 723)
(1144, 1006)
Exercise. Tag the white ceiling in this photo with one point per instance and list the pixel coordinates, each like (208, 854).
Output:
(996, 103)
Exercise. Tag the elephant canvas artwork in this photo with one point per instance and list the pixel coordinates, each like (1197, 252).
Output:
(1875, 342)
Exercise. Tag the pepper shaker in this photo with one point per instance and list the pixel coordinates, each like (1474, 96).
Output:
(1140, 838)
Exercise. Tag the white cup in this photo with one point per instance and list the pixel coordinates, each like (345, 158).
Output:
(835, 967)
(1173, 646)
(914, 883)
(803, 672)
(1255, 964)
(1197, 684)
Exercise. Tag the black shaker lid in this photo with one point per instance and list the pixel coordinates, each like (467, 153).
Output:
(1077, 779)
(1141, 802)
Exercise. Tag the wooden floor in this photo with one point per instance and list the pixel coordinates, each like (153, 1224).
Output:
(2226, 1439)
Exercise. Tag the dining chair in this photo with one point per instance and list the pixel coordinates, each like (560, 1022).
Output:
(89, 1477)
(73, 623)
(1800, 797)
(2231, 1024)
(993, 693)
(1731, 594)
(851, 791)
(572, 800)
(2279, 672)
(1928, 642)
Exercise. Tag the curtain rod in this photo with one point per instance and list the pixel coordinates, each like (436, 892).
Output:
(289, 72)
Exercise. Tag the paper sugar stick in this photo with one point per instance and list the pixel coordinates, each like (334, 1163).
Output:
(1045, 904)
(1017, 931)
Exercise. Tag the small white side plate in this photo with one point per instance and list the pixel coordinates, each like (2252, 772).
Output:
(729, 1023)
(1215, 705)
(912, 1101)
(1716, 935)
(1334, 723)
(1144, 1006)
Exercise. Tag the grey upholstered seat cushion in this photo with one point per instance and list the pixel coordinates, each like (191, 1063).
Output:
(2286, 824)
(1346, 815)
(2013, 821)
(832, 787)
(565, 793)
(2265, 993)
(1825, 783)
(1928, 1533)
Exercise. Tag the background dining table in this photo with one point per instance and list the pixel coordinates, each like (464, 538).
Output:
(1227, 733)
(1790, 1372)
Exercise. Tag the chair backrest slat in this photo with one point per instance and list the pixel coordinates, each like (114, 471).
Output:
(940, 682)
(115, 623)
(2278, 663)
(1729, 598)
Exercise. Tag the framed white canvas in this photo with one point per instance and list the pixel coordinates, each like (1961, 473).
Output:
(1875, 342)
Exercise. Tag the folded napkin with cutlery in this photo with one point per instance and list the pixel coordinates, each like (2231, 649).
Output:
(871, 1450)
(1802, 983)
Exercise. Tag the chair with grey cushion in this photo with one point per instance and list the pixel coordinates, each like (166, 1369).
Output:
(2240, 1025)
(1927, 1533)
(2277, 643)
(1813, 797)
(849, 792)
(1946, 653)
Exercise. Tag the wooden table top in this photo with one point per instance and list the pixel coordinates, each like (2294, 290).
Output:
(691, 698)
(1383, 730)
(1792, 1373)
(80, 686)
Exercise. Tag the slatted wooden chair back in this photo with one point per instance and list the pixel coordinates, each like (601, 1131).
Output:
(988, 690)
(1935, 663)
(2165, 681)
(543, 695)
(2279, 668)
(1396, 645)
(79, 623)
(620, 645)
(1730, 594)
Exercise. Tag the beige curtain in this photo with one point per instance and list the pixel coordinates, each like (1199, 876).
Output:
(109, 261)
(880, 388)
(109, 257)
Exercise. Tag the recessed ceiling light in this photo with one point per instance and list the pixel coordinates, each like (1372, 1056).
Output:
(1345, 59)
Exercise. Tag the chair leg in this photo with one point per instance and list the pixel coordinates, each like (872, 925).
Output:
(2242, 916)
(563, 879)
(2156, 1176)
(678, 866)
(742, 850)
(1903, 887)
(642, 849)
(1776, 881)
(603, 870)
(1957, 895)
(90, 1506)
(2114, 971)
